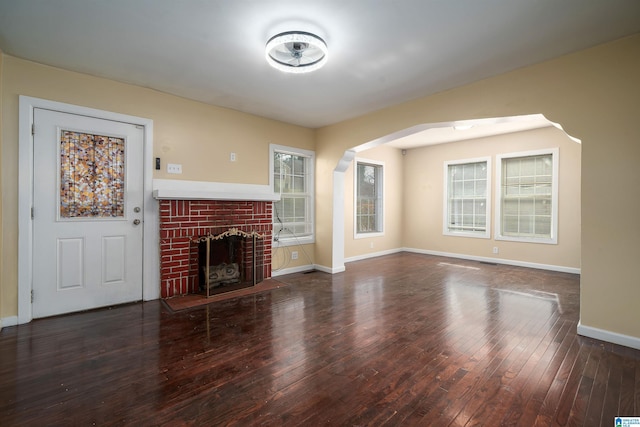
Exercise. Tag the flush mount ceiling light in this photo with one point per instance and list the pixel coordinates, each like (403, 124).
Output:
(296, 52)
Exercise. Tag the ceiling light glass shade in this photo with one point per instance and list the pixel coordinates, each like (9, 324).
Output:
(296, 52)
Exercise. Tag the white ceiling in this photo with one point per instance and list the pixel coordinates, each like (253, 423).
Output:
(382, 52)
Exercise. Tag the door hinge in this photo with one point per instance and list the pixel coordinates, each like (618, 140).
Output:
(33, 129)
(32, 213)
(32, 296)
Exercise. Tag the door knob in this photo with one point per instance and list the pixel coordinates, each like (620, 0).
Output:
(136, 222)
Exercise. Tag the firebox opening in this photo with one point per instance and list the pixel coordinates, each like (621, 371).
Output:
(232, 264)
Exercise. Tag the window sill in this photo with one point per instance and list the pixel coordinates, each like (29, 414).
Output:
(290, 241)
(544, 241)
(483, 235)
(367, 235)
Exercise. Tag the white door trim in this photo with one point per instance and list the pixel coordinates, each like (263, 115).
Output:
(150, 252)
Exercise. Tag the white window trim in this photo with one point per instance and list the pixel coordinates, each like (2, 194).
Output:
(445, 212)
(357, 235)
(553, 240)
(284, 240)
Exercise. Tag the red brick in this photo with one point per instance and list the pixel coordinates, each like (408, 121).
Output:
(175, 263)
(181, 221)
(172, 253)
(171, 276)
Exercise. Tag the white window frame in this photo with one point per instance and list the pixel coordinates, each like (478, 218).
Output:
(381, 189)
(553, 239)
(283, 238)
(486, 234)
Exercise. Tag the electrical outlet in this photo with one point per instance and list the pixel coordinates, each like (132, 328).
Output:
(294, 255)
(371, 245)
(495, 250)
(174, 168)
(232, 157)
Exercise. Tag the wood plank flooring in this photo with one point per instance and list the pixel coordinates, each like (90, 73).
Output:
(404, 339)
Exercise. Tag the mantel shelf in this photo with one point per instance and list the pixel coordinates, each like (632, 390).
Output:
(170, 189)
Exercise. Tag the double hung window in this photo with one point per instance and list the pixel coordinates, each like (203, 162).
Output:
(467, 199)
(527, 208)
(292, 176)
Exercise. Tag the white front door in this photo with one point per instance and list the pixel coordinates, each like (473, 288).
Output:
(87, 213)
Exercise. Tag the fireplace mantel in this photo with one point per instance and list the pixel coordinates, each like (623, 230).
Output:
(174, 189)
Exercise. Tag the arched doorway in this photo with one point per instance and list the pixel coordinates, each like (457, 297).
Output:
(435, 143)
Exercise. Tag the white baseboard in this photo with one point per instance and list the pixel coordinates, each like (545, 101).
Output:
(550, 267)
(8, 321)
(373, 255)
(303, 268)
(299, 269)
(608, 336)
(329, 270)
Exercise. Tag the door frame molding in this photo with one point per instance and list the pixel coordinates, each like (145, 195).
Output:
(150, 252)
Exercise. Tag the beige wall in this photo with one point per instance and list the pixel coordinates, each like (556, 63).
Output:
(196, 135)
(594, 95)
(424, 193)
(282, 261)
(392, 194)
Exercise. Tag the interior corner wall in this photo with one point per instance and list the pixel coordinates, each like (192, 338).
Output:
(198, 136)
(425, 192)
(594, 95)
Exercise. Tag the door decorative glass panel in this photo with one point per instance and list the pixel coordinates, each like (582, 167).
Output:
(91, 175)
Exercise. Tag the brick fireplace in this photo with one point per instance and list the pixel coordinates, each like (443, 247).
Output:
(183, 221)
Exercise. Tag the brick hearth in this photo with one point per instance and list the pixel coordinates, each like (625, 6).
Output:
(182, 220)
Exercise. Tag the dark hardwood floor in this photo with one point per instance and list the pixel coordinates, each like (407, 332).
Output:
(404, 339)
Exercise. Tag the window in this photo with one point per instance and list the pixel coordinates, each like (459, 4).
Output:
(467, 199)
(368, 192)
(527, 208)
(293, 178)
